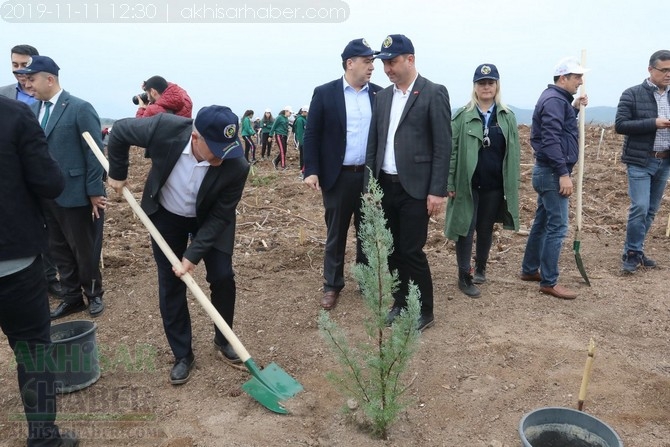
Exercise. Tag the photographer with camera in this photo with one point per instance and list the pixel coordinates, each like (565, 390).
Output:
(161, 96)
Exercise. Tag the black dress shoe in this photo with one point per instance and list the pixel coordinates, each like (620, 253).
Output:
(229, 354)
(425, 321)
(54, 289)
(68, 439)
(95, 306)
(65, 309)
(392, 315)
(181, 371)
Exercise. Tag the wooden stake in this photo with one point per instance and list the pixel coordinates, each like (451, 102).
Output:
(587, 374)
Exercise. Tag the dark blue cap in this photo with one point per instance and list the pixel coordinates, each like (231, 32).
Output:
(486, 71)
(356, 48)
(218, 125)
(395, 45)
(37, 64)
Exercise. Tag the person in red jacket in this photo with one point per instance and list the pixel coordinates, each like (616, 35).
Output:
(164, 97)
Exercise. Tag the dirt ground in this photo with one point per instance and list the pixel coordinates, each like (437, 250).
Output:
(480, 368)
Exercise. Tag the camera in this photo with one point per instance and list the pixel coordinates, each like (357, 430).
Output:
(144, 96)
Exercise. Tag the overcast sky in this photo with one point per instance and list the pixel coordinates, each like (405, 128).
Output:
(246, 64)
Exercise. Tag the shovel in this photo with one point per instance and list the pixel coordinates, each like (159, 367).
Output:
(269, 386)
(580, 180)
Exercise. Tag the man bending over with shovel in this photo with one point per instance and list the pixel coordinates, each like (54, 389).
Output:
(197, 176)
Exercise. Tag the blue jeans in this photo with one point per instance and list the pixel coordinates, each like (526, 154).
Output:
(645, 188)
(549, 227)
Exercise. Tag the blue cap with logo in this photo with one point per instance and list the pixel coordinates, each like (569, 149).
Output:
(38, 64)
(356, 48)
(486, 71)
(395, 45)
(218, 125)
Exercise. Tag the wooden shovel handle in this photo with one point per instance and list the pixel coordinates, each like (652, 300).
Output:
(580, 163)
(176, 262)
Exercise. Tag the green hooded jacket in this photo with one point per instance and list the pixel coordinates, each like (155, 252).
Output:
(467, 136)
(280, 126)
(247, 128)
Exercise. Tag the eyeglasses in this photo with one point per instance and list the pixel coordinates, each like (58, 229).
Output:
(665, 71)
(486, 142)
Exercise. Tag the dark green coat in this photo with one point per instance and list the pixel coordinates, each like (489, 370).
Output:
(467, 136)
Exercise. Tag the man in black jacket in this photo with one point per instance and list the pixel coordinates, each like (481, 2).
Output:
(334, 154)
(643, 116)
(196, 181)
(28, 174)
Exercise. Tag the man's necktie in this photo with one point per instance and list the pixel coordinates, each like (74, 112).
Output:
(45, 118)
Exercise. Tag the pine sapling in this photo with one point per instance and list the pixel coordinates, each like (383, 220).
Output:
(373, 373)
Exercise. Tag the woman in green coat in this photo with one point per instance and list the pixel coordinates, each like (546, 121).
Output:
(483, 185)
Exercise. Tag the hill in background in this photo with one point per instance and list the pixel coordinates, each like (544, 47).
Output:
(594, 115)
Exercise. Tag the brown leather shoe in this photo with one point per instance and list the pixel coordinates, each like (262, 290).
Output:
(329, 300)
(559, 292)
(530, 277)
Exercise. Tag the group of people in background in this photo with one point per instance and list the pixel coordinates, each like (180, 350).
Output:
(403, 135)
(473, 164)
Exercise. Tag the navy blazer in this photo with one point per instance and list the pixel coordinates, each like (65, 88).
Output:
(165, 136)
(28, 173)
(83, 173)
(326, 132)
(422, 139)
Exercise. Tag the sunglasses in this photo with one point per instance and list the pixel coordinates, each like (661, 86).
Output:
(486, 142)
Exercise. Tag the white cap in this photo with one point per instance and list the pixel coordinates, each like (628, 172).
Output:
(569, 65)
(288, 108)
(268, 111)
(305, 108)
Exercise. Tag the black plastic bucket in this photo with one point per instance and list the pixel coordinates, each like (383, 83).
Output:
(75, 355)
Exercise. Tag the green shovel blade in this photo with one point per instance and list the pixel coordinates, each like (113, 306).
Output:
(580, 263)
(270, 386)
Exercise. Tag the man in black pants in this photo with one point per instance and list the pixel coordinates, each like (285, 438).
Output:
(27, 174)
(196, 181)
(334, 156)
(75, 218)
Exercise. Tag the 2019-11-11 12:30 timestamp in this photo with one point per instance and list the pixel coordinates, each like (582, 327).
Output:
(83, 12)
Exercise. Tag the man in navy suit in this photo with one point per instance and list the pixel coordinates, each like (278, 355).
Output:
(75, 217)
(334, 156)
(198, 173)
(28, 174)
(409, 150)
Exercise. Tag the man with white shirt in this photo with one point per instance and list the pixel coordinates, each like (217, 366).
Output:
(409, 150)
(198, 173)
(75, 218)
(334, 157)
